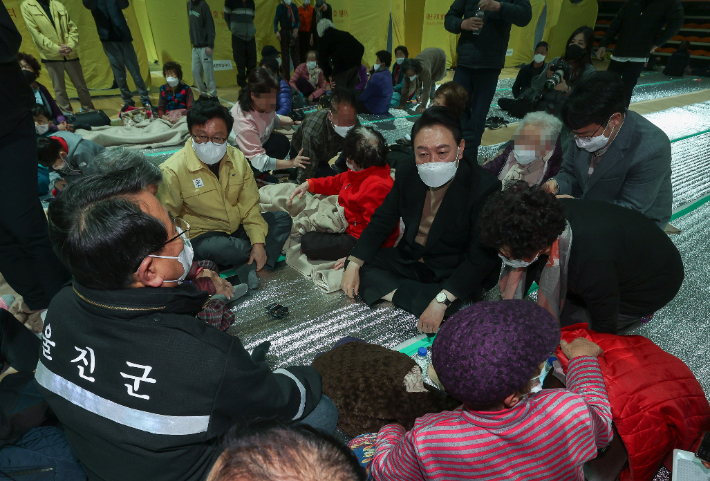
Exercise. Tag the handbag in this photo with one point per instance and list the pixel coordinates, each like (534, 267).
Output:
(134, 116)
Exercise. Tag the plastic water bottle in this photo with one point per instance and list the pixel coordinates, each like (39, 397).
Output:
(479, 14)
(423, 359)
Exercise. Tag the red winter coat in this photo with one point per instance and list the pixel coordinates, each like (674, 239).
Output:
(656, 402)
(359, 194)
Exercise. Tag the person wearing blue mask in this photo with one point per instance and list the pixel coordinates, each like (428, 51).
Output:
(440, 262)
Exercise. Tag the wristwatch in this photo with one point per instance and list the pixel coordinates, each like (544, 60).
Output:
(442, 299)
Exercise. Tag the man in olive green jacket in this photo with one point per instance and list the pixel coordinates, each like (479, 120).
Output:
(56, 38)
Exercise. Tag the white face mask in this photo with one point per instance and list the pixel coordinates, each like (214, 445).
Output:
(541, 378)
(595, 143)
(399, 60)
(186, 255)
(306, 2)
(524, 156)
(172, 81)
(287, 2)
(351, 166)
(516, 263)
(311, 65)
(436, 174)
(341, 131)
(539, 58)
(209, 152)
(41, 129)
(376, 66)
(412, 79)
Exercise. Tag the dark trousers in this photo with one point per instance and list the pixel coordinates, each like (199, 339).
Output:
(416, 284)
(278, 146)
(480, 83)
(347, 79)
(575, 312)
(233, 250)
(362, 108)
(244, 52)
(304, 45)
(305, 87)
(122, 56)
(27, 260)
(629, 73)
(323, 246)
(289, 53)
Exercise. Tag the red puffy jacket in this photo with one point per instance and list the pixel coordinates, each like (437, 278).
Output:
(656, 402)
(359, 194)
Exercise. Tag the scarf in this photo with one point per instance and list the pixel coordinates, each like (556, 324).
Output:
(532, 173)
(552, 288)
(313, 76)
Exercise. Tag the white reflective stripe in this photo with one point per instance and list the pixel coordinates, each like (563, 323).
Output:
(301, 388)
(133, 418)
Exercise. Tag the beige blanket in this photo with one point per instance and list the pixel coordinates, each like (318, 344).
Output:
(313, 213)
(147, 134)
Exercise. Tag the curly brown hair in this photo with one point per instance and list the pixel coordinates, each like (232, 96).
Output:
(366, 383)
(31, 61)
(523, 218)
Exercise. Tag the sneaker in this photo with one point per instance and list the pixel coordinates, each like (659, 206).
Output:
(127, 105)
(494, 123)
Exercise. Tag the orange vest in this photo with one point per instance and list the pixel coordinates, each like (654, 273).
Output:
(306, 14)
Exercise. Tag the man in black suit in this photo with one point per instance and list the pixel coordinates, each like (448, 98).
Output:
(619, 268)
(440, 258)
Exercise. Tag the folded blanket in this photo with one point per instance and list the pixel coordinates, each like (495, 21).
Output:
(147, 134)
(312, 213)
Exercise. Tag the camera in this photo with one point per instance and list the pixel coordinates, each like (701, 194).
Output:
(561, 70)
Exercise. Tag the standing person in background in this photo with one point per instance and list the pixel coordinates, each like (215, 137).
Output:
(339, 55)
(239, 15)
(481, 53)
(27, 260)
(322, 11)
(286, 25)
(307, 30)
(424, 71)
(639, 28)
(117, 42)
(202, 39)
(56, 38)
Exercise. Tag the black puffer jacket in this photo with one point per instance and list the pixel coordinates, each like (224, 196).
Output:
(487, 49)
(639, 26)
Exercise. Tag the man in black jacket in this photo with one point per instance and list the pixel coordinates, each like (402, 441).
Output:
(239, 15)
(26, 258)
(440, 258)
(142, 388)
(339, 55)
(638, 30)
(481, 53)
(117, 41)
(619, 268)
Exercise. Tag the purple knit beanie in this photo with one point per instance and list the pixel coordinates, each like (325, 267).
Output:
(485, 353)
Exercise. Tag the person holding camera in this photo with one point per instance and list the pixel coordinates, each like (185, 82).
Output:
(563, 73)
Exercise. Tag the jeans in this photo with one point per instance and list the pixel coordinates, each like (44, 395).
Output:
(324, 417)
(244, 52)
(122, 56)
(629, 73)
(202, 62)
(481, 85)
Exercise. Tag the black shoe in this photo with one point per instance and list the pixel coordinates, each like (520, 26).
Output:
(128, 104)
(494, 123)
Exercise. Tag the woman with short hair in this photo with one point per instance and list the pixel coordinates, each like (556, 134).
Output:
(175, 98)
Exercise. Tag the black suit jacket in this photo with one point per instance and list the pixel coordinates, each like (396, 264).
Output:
(453, 248)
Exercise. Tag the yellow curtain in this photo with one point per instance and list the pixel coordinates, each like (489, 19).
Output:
(414, 18)
(94, 63)
(146, 30)
(521, 43)
(571, 17)
(434, 34)
(397, 11)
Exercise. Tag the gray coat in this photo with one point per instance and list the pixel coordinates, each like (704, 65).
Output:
(635, 172)
(81, 153)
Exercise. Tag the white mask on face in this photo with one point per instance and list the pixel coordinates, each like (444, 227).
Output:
(412, 79)
(306, 2)
(41, 129)
(595, 143)
(376, 66)
(516, 263)
(172, 81)
(541, 378)
(287, 2)
(209, 152)
(539, 58)
(524, 156)
(341, 131)
(311, 65)
(185, 257)
(399, 60)
(436, 174)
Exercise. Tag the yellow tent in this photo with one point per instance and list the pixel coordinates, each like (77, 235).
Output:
(571, 17)
(522, 39)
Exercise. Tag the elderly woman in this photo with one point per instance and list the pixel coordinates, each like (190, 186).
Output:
(360, 190)
(175, 95)
(535, 154)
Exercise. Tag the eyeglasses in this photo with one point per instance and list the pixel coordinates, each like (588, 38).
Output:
(184, 227)
(201, 139)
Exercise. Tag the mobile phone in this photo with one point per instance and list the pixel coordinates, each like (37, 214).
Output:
(704, 449)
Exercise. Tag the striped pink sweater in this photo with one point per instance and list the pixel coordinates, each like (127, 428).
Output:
(547, 437)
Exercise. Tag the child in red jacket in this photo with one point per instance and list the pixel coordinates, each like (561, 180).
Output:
(360, 191)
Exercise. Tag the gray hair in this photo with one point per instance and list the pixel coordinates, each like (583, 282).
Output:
(111, 160)
(324, 25)
(542, 120)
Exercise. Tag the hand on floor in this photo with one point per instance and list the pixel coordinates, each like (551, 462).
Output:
(351, 280)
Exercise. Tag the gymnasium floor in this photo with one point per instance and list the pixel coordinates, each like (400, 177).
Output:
(316, 320)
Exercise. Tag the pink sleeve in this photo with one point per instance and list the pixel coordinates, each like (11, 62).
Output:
(248, 137)
(395, 456)
(584, 377)
(297, 73)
